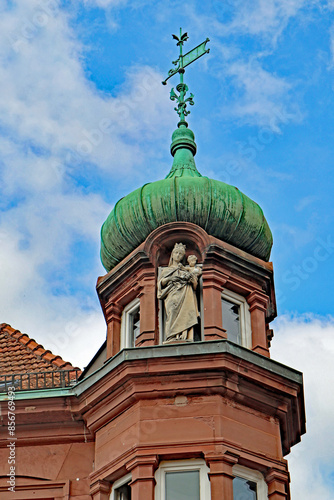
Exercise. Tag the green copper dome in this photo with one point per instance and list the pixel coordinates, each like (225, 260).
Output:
(185, 195)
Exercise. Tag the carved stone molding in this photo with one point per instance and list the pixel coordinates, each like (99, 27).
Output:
(100, 490)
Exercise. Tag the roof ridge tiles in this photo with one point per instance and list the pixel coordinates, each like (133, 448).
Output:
(46, 351)
(36, 347)
(23, 340)
(24, 350)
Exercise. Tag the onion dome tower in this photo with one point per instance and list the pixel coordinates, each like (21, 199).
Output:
(185, 195)
(188, 402)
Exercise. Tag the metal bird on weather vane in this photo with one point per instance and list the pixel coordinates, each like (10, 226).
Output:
(180, 64)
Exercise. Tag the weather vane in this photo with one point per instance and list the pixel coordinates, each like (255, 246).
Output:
(180, 64)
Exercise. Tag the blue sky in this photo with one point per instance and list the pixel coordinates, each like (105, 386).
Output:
(84, 120)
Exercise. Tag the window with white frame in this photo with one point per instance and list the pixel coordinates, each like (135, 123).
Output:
(236, 318)
(182, 480)
(130, 324)
(121, 489)
(248, 484)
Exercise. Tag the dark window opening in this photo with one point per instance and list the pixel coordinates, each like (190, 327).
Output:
(123, 492)
(134, 326)
(243, 489)
(231, 320)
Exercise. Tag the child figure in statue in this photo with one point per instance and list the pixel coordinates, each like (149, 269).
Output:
(176, 287)
(193, 267)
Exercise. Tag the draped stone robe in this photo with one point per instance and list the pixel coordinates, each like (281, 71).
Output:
(180, 301)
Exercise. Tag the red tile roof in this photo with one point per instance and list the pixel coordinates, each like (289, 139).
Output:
(21, 354)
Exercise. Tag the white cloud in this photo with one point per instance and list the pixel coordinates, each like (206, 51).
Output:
(263, 98)
(35, 251)
(296, 236)
(106, 3)
(55, 126)
(305, 202)
(306, 343)
(264, 20)
(331, 42)
(47, 100)
(246, 38)
(264, 17)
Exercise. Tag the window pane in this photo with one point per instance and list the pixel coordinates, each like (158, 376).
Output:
(136, 323)
(244, 489)
(134, 326)
(123, 492)
(231, 320)
(182, 485)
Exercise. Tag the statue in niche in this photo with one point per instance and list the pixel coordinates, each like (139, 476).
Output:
(177, 288)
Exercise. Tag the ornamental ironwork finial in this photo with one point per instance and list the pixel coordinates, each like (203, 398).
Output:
(180, 64)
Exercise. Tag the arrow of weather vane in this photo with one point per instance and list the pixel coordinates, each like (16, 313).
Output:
(180, 64)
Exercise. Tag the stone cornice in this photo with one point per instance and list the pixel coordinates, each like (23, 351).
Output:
(231, 371)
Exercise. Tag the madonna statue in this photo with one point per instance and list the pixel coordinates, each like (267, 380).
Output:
(176, 287)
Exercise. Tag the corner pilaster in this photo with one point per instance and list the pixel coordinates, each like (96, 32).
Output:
(221, 475)
(278, 484)
(100, 490)
(113, 317)
(148, 320)
(213, 283)
(258, 303)
(143, 481)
